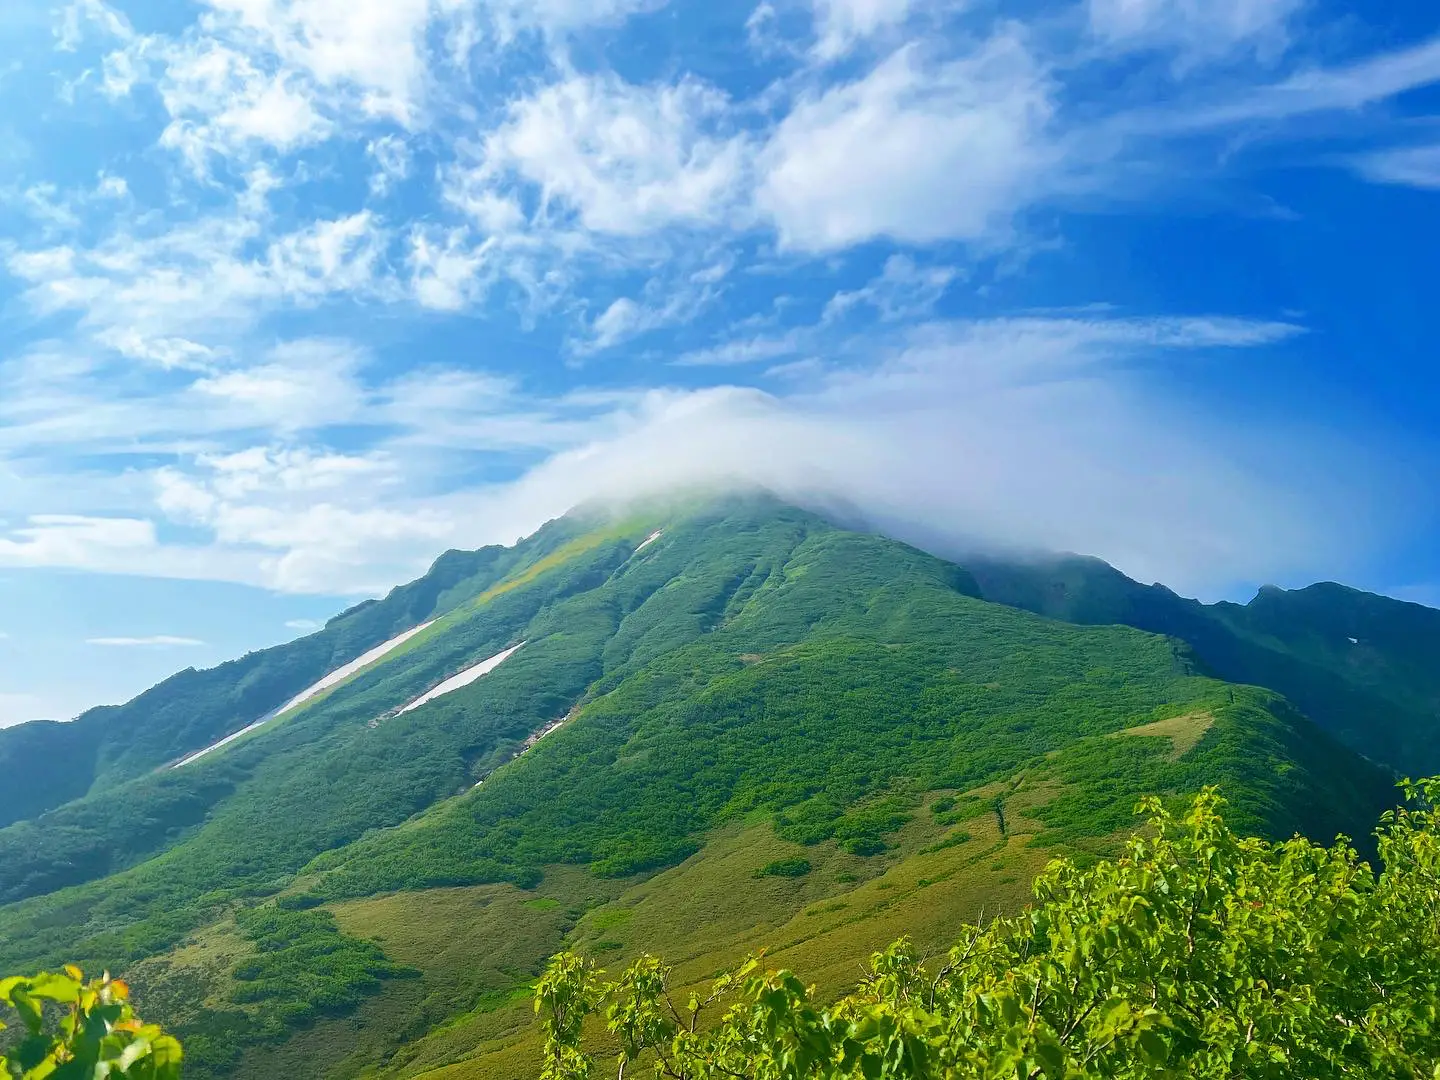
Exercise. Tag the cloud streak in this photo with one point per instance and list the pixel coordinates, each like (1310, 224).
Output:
(151, 642)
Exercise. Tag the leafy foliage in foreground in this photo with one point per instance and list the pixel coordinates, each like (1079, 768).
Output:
(1197, 954)
(97, 1035)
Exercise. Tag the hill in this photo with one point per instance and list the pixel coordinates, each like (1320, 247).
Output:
(1360, 665)
(695, 729)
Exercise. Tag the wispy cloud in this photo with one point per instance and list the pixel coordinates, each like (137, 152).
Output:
(1411, 166)
(152, 641)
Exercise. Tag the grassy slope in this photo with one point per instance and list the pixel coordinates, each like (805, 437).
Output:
(47, 765)
(754, 677)
(711, 910)
(1379, 693)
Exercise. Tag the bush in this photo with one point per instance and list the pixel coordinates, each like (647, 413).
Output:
(1196, 954)
(96, 1033)
(792, 867)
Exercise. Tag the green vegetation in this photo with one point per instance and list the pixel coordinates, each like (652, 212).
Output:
(47, 765)
(304, 965)
(96, 1034)
(791, 867)
(1360, 665)
(757, 688)
(1196, 954)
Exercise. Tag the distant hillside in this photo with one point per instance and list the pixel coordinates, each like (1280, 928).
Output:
(696, 729)
(48, 764)
(1365, 667)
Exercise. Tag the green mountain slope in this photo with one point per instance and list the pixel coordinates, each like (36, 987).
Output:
(1360, 665)
(774, 731)
(49, 764)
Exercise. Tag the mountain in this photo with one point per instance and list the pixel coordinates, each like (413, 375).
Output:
(697, 728)
(1360, 665)
(49, 764)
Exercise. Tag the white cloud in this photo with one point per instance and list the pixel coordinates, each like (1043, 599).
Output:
(117, 545)
(167, 353)
(749, 350)
(392, 163)
(622, 319)
(559, 17)
(1411, 166)
(305, 521)
(1198, 29)
(445, 268)
(1005, 433)
(903, 290)
(1340, 88)
(327, 56)
(66, 539)
(624, 159)
(915, 151)
(303, 624)
(111, 187)
(840, 24)
(81, 17)
(152, 641)
(1022, 430)
(222, 102)
(305, 385)
(160, 294)
(626, 318)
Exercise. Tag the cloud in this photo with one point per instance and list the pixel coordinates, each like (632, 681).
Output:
(152, 641)
(1411, 166)
(556, 18)
(1038, 431)
(305, 384)
(1344, 87)
(392, 163)
(918, 150)
(1008, 433)
(624, 159)
(73, 539)
(221, 102)
(1198, 29)
(303, 624)
(482, 191)
(904, 290)
(666, 303)
(841, 24)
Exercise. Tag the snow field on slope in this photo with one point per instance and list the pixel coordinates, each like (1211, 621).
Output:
(465, 678)
(333, 678)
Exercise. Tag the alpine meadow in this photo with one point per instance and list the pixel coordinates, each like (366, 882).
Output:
(822, 804)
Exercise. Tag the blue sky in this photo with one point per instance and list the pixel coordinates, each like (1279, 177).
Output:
(298, 293)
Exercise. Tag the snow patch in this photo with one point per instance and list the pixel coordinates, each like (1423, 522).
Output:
(648, 541)
(530, 741)
(227, 739)
(339, 675)
(465, 678)
(342, 673)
